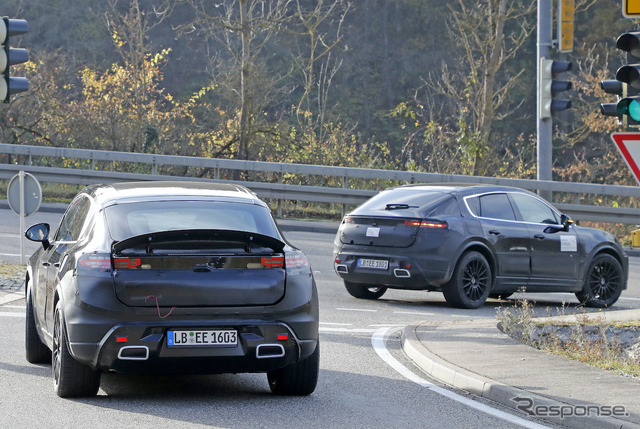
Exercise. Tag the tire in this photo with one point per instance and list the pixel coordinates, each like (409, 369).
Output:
(603, 282)
(298, 379)
(470, 284)
(70, 377)
(36, 351)
(363, 291)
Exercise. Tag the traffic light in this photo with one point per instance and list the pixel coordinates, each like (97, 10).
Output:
(10, 57)
(627, 83)
(550, 87)
(626, 108)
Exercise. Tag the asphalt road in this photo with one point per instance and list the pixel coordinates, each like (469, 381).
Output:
(365, 380)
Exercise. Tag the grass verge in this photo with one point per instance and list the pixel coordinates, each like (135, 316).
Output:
(592, 340)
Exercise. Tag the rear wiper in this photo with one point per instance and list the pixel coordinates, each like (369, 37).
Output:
(398, 206)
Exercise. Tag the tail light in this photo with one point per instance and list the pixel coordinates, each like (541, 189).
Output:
(95, 261)
(272, 262)
(124, 263)
(426, 223)
(296, 261)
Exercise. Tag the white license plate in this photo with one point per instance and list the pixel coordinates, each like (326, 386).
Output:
(373, 263)
(217, 337)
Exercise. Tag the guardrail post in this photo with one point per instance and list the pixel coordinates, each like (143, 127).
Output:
(279, 201)
(344, 186)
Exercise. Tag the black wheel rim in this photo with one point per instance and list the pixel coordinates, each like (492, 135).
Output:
(604, 281)
(56, 349)
(475, 280)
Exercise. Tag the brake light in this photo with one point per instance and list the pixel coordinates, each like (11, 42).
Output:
(425, 223)
(347, 219)
(121, 263)
(272, 262)
(95, 261)
(296, 260)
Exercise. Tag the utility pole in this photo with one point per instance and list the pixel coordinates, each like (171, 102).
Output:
(545, 125)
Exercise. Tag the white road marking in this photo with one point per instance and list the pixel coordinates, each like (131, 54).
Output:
(336, 324)
(347, 330)
(357, 309)
(414, 312)
(379, 340)
(8, 314)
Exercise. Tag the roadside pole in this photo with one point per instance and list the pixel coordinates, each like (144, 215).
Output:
(544, 125)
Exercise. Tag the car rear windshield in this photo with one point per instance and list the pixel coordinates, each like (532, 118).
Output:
(405, 198)
(131, 219)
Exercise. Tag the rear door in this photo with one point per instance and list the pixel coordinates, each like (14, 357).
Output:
(509, 238)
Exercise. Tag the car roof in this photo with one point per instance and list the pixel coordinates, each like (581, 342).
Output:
(462, 189)
(112, 193)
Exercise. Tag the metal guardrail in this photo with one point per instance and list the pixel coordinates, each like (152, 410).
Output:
(281, 191)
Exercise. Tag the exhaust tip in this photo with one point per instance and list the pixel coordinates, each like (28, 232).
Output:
(401, 273)
(266, 351)
(342, 269)
(134, 353)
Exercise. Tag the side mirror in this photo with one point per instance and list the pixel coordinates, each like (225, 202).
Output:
(39, 233)
(566, 221)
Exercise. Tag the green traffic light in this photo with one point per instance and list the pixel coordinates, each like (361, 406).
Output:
(634, 110)
(629, 106)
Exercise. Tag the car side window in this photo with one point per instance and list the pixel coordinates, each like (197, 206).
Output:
(74, 220)
(496, 206)
(534, 210)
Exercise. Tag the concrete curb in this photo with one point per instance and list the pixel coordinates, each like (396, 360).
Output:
(492, 390)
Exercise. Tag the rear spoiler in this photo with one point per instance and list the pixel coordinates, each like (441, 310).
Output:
(182, 235)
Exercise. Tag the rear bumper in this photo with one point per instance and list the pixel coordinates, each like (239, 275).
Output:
(110, 336)
(403, 272)
(137, 348)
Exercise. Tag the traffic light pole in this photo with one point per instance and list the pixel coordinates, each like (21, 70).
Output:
(545, 125)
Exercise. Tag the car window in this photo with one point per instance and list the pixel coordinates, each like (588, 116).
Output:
(496, 206)
(534, 210)
(131, 219)
(74, 219)
(411, 197)
(474, 205)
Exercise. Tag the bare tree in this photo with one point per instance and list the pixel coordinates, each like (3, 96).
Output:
(481, 85)
(317, 68)
(242, 28)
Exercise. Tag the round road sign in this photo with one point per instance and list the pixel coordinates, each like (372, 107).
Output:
(32, 194)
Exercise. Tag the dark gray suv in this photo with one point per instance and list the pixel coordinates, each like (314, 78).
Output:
(170, 277)
(474, 242)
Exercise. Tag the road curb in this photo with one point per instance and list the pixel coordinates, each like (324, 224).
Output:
(493, 390)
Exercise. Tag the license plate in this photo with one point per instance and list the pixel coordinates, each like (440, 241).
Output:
(378, 264)
(217, 337)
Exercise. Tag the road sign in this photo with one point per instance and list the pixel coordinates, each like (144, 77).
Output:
(628, 145)
(566, 10)
(31, 192)
(24, 196)
(631, 8)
